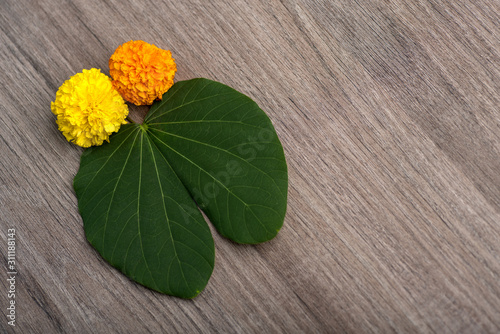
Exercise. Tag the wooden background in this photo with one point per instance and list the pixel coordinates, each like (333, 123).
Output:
(389, 115)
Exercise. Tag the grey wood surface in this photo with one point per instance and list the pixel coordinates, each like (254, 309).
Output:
(389, 115)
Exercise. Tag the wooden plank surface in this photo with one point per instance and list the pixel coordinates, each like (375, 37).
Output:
(389, 115)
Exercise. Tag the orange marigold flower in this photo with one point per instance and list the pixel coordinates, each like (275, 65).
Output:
(142, 72)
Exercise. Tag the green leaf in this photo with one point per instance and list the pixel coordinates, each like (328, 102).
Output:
(204, 142)
(140, 218)
(226, 152)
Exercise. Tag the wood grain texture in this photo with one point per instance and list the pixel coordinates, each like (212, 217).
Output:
(389, 114)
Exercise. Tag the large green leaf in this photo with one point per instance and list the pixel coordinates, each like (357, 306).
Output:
(203, 141)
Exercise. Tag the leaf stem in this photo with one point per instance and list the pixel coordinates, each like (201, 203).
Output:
(129, 119)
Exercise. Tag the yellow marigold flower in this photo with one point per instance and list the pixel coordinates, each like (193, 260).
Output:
(88, 108)
(142, 72)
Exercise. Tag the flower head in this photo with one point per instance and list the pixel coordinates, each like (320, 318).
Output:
(142, 72)
(88, 108)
